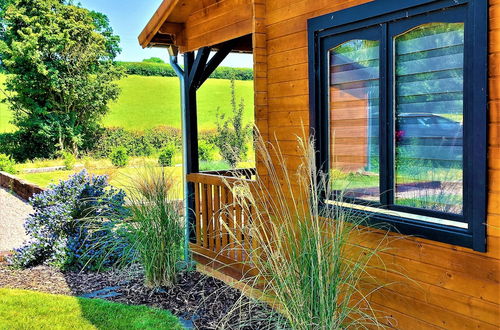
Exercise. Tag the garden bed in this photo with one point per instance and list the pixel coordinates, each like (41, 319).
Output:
(202, 300)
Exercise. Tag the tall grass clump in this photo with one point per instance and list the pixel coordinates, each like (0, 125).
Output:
(311, 258)
(155, 225)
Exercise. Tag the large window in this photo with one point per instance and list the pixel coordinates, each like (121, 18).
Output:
(398, 109)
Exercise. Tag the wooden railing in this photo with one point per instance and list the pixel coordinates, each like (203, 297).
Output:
(220, 222)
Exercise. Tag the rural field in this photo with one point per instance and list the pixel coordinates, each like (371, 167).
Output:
(146, 102)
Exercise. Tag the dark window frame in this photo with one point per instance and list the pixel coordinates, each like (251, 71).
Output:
(378, 14)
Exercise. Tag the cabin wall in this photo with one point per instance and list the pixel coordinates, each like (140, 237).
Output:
(450, 287)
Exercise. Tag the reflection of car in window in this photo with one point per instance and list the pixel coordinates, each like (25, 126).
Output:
(428, 127)
(430, 136)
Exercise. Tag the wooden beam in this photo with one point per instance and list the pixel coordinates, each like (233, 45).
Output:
(214, 62)
(198, 67)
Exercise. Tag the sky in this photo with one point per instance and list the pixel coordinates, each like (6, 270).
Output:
(129, 17)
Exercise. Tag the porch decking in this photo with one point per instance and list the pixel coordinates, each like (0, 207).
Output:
(219, 239)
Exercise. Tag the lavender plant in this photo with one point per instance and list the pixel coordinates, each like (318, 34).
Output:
(68, 222)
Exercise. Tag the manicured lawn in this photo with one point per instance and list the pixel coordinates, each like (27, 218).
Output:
(20, 309)
(147, 102)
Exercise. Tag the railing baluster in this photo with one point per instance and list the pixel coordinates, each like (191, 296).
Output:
(197, 212)
(217, 210)
(205, 215)
(224, 218)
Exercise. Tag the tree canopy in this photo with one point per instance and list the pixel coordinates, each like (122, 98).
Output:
(60, 61)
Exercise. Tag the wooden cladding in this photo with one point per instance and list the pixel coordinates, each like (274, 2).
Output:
(221, 223)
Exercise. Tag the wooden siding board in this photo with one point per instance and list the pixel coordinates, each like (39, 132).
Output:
(459, 288)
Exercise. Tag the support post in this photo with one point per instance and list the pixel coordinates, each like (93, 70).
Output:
(190, 137)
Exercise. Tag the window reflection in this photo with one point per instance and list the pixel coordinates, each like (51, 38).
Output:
(354, 118)
(429, 117)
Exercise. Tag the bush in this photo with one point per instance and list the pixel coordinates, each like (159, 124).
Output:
(68, 222)
(119, 157)
(7, 164)
(205, 151)
(69, 160)
(319, 273)
(166, 155)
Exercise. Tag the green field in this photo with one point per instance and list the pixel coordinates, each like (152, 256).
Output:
(146, 102)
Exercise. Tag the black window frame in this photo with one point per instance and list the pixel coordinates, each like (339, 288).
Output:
(383, 15)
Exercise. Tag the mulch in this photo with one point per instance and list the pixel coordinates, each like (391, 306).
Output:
(205, 302)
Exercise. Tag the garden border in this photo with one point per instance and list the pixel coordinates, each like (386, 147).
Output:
(22, 188)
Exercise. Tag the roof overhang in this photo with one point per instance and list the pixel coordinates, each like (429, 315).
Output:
(177, 22)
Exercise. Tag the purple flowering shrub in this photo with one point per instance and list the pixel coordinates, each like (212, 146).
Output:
(76, 224)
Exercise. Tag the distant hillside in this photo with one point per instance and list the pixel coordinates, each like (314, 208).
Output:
(146, 102)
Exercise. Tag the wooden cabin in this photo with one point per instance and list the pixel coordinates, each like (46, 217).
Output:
(402, 94)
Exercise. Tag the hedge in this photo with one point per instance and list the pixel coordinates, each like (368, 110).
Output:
(165, 70)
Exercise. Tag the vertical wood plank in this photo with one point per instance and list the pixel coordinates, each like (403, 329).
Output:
(230, 208)
(197, 212)
(217, 210)
(224, 217)
(238, 223)
(205, 215)
(210, 217)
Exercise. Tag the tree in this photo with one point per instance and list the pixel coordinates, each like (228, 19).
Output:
(60, 58)
(232, 136)
(153, 60)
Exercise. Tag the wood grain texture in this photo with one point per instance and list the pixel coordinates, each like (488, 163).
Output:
(448, 286)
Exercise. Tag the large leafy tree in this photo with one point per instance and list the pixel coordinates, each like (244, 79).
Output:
(60, 60)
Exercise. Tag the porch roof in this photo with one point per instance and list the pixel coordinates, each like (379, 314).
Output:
(182, 23)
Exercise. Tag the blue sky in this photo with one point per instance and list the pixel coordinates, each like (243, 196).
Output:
(128, 18)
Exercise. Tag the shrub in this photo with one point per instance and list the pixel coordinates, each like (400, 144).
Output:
(7, 164)
(119, 157)
(166, 155)
(68, 221)
(155, 227)
(317, 271)
(69, 160)
(232, 135)
(205, 151)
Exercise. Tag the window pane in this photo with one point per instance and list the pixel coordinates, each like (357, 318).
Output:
(429, 117)
(354, 118)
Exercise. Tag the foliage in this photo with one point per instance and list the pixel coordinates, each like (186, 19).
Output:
(69, 160)
(137, 143)
(35, 310)
(232, 135)
(205, 151)
(62, 228)
(154, 68)
(153, 60)
(155, 227)
(119, 157)
(316, 262)
(59, 57)
(7, 164)
(166, 155)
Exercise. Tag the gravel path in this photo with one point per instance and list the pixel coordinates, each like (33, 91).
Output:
(13, 212)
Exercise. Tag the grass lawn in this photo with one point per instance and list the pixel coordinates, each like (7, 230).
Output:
(146, 102)
(20, 309)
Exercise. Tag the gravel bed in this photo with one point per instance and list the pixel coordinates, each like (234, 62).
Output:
(205, 302)
(13, 213)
